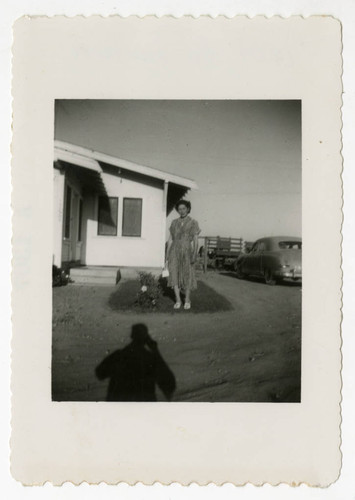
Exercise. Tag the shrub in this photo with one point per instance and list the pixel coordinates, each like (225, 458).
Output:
(150, 291)
(60, 277)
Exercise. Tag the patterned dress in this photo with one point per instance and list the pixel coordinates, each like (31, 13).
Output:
(181, 271)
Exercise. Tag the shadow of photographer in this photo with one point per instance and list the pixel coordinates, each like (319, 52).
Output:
(136, 370)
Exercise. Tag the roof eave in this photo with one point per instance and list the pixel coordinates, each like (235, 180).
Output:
(76, 159)
(80, 153)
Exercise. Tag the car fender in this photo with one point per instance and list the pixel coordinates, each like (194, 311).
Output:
(241, 261)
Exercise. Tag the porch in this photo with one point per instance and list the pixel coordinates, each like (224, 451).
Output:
(107, 275)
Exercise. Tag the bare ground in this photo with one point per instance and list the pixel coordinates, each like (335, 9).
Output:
(249, 354)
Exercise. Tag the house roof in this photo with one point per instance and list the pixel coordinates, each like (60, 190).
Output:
(91, 159)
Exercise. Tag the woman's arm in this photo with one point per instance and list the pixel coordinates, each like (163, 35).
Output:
(170, 241)
(194, 249)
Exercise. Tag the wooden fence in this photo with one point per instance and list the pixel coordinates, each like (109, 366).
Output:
(218, 251)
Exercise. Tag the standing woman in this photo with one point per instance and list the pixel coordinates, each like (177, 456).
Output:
(182, 253)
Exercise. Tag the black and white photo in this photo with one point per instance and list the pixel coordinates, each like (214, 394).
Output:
(177, 232)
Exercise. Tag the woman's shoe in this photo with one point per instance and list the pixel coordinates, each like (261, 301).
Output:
(187, 306)
(177, 305)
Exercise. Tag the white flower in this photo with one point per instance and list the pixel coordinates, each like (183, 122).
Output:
(144, 288)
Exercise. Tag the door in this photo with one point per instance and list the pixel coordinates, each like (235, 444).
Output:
(247, 261)
(254, 259)
(71, 246)
(259, 268)
(67, 224)
(76, 228)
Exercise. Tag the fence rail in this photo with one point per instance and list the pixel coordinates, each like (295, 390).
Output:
(218, 250)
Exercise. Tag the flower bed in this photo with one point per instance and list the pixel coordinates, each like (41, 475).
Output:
(150, 291)
(129, 296)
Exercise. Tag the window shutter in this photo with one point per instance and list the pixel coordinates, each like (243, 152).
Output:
(132, 217)
(107, 216)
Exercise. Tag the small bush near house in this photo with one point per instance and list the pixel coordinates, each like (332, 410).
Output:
(59, 276)
(150, 291)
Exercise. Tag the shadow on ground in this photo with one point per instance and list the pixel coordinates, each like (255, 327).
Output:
(249, 354)
(204, 299)
(135, 371)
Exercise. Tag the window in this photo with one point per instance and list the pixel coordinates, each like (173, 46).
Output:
(132, 217)
(67, 216)
(107, 216)
(262, 246)
(290, 245)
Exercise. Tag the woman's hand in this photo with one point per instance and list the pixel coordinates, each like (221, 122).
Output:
(194, 250)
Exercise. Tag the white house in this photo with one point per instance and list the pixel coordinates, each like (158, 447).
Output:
(108, 211)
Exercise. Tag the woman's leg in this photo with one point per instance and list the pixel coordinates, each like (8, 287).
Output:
(187, 296)
(177, 294)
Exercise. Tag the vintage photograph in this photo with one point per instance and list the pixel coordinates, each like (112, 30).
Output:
(177, 251)
(168, 171)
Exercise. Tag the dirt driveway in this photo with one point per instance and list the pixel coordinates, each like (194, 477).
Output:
(249, 354)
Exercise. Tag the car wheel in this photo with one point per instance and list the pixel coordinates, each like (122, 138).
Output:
(238, 271)
(269, 277)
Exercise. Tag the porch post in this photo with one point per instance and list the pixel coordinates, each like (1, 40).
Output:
(165, 201)
(165, 195)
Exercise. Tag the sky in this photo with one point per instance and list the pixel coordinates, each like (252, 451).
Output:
(245, 156)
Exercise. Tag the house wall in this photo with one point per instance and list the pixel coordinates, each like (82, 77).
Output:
(144, 251)
(58, 208)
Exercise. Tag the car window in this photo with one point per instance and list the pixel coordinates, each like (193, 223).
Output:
(262, 246)
(290, 245)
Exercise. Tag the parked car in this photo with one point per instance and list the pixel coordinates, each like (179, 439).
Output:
(273, 258)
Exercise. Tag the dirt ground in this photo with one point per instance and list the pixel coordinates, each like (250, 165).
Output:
(249, 354)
